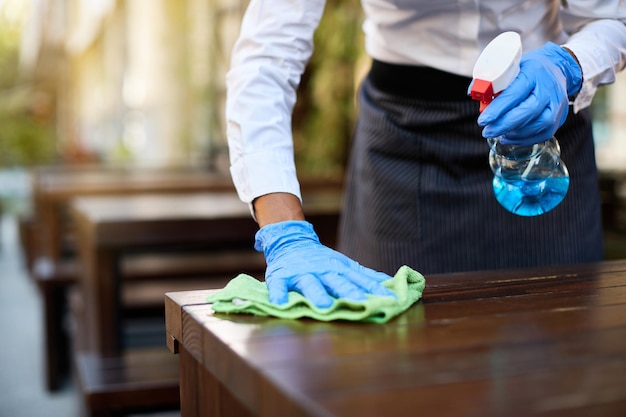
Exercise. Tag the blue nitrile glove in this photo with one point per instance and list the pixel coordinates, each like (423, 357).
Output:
(536, 103)
(297, 261)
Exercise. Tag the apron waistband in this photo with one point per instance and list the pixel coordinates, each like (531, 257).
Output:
(418, 82)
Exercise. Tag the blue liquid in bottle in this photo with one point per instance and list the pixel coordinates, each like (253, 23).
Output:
(528, 180)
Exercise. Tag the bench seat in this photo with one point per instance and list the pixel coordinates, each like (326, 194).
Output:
(141, 380)
(147, 277)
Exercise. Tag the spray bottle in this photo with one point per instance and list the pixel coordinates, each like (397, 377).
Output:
(528, 180)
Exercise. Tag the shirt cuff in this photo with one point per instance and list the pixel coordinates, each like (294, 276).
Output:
(264, 173)
(600, 49)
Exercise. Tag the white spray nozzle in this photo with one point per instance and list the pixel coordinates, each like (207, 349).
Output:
(496, 67)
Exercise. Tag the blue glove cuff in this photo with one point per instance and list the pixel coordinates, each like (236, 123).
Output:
(568, 65)
(273, 235)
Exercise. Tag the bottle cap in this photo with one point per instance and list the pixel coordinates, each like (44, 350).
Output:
(496, 67)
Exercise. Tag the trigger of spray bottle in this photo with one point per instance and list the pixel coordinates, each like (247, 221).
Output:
(496, 67)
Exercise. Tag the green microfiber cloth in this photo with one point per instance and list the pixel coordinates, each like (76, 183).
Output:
(245, 294)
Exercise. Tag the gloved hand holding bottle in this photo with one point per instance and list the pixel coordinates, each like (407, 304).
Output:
(535, 105)
(530, 178)
(297, 261)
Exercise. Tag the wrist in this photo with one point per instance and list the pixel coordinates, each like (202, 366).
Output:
(565, 60)
(573, 55)
(271, 237)
(277, 207)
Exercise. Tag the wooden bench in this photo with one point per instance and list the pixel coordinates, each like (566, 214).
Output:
(53, 280)
(148, 277)
(173, 269)
(49, 242)
(141, 380)
(113, 230)
(47, 235)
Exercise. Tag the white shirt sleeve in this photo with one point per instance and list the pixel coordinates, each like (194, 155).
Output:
(599, 45)
(269, 57)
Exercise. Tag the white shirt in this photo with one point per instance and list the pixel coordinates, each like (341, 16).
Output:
(276, 42)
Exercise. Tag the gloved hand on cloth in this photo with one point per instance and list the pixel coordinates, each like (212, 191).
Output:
(297, 261)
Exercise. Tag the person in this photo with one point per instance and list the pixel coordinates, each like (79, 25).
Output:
(418, 185)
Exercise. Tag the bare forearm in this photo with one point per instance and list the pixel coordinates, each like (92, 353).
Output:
(277, 207)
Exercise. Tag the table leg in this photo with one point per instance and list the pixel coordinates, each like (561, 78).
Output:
(201, 394)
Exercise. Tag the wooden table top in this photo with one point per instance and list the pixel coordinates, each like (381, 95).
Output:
(534, 342)
(65, 182)
(54, 186)
(129, 220)
(142, 207)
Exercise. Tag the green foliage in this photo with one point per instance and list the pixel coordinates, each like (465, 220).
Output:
(24, 140)
(325, 113)
(26, 137)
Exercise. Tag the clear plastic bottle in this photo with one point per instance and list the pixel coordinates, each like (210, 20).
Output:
(528, 180)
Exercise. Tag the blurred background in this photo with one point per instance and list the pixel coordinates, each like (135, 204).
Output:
(132, 84)
(141, 83)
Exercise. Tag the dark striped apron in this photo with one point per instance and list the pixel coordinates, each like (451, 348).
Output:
(419, 191)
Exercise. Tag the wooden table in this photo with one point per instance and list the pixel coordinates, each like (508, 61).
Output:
(110, 227)
(55, 186)
(535, 342)
(49, 239)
